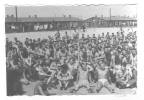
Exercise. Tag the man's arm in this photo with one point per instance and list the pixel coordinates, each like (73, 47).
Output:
(41, 91)
(108, 76)
(134, 80)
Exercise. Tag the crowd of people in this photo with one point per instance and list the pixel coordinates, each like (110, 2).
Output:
(65, 62)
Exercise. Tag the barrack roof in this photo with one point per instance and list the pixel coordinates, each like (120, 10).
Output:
(42, 19)
(113, 18)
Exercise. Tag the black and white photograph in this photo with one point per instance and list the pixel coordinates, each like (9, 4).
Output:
(71, 49)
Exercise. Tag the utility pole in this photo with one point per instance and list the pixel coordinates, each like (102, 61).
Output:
(110, 17)
(16, 13)
(110, 13)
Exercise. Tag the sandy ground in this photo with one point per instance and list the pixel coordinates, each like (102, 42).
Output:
(29, 90)
(45, 34)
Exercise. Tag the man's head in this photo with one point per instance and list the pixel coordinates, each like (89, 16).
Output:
(102, 34)
(94, 36)
(45, 80)
(101, 63)
(82, 35)
(84, 66)
(83, 49)
(107, 48)
(66, 32)
(72, 60)
(88, 36)
(7, 39)
(134, 52)
(15, 39)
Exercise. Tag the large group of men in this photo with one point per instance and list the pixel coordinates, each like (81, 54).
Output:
(68, 63)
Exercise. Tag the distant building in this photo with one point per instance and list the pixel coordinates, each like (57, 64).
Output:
(29, 24)
(114, 21)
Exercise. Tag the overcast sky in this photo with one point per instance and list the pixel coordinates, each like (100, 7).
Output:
(76, 11)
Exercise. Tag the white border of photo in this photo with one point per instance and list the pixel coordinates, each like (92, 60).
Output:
(140, 89)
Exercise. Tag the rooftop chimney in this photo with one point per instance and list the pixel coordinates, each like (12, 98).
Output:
(69, 16)
(29, 16)
(64, 15)
(12, 16)
(7, 16)
(35, 16)
(101, 16)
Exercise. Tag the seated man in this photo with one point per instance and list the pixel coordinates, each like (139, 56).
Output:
(41, 88)
(132, 83)
(103, 77)
(40, 70)
(128, 78)
(83, 78)
(64, 76)
(131, 77)
(120, 80)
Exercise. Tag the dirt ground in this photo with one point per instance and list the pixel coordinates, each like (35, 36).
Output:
(29, 90)
(45, 34)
